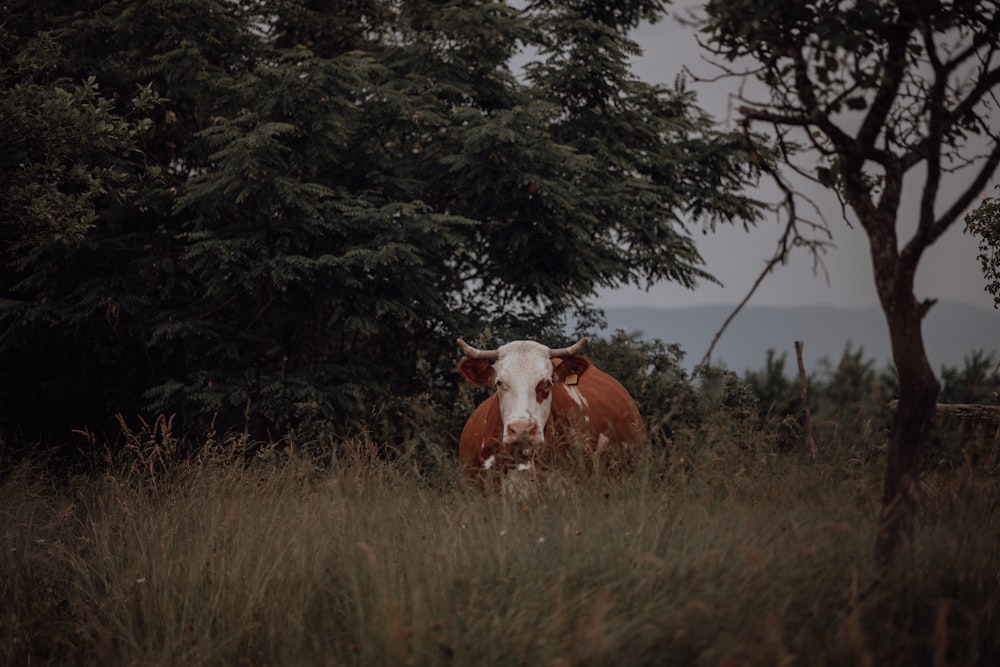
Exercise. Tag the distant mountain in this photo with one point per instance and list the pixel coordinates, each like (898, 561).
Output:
(951, 332)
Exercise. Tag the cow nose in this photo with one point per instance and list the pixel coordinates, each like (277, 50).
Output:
(522, 431)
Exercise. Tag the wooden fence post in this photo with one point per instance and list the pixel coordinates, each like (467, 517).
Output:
(806, 412)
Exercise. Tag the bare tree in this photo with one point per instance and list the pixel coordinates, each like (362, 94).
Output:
(882, 102)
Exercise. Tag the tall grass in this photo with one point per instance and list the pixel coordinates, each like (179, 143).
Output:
(720, 554)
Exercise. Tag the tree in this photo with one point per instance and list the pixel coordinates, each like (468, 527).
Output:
(978, 381)
(80, 326)
(777, 394)
(73, 167)
(887, 97)
(311, 200)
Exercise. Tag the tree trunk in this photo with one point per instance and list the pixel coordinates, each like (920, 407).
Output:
(918, 392)
(804, 389)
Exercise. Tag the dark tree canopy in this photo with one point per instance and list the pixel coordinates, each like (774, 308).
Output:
(279, 214)
(877, 93)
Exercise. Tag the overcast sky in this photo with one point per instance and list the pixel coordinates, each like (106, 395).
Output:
(949, 270)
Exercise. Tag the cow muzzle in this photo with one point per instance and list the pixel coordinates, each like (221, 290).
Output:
(522, 436)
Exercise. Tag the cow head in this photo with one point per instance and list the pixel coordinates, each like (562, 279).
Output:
(523, 373)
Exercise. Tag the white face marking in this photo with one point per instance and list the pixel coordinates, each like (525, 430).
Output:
(520, 367)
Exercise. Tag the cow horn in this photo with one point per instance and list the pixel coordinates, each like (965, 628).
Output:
(477, 354)
(568, 351)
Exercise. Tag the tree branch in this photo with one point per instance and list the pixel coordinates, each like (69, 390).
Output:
(964, 201)
(984, 84)
(789, 239)
(936, 126)
(892, 76)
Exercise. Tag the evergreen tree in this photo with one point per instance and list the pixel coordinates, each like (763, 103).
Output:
(73, 171)
(978, 381)
(778, 394)
(303, 203)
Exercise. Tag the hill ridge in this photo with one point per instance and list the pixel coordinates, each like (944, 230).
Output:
(952, 331)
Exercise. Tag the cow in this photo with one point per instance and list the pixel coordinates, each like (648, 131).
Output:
(544, 398)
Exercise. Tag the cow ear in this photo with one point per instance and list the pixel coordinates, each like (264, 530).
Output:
(477, 371)
(571, 366)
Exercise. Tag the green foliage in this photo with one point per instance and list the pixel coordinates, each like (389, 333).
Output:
(849, 404)
(73, 170)
(984, 223)
(277, 216)
(848, 383)
(847, 399)
(651, 371)
(977, 381)
(776, 391)
(959, 441)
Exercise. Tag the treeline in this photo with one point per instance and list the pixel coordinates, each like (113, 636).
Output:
(848, 400)
(854, 382)
(760, 412)
(277, 216)
(274, 218)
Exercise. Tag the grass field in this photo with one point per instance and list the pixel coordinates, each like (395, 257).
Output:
(701, 555)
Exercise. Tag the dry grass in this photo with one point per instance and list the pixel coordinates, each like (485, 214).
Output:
(714, 557)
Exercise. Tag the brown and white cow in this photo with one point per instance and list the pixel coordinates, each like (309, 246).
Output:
(544, 398)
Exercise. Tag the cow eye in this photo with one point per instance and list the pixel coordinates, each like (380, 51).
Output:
(501, 385)
(542, 390)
